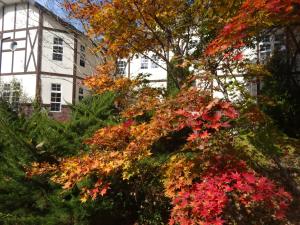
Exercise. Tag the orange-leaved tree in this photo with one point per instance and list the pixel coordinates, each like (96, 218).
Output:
(196, 133)
(191, 138)
(175, 31)
(253, 17)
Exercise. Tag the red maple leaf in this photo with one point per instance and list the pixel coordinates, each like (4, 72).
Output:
(258, 197)
(204, 135)
(104, 189)
(231, 113)
(128, 123)
(238, 57)
(214, 126)
(249, 177)
(192, 137)
(182, 112)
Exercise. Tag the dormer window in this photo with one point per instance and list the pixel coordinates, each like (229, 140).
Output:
(58, 49)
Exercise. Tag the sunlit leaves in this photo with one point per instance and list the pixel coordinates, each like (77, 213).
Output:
(207, 201)
(252, 18)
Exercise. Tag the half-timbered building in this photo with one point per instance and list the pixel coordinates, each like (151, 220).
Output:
(47, 56)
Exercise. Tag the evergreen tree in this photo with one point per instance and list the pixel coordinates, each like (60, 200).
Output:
(24, 140)
(281, 92)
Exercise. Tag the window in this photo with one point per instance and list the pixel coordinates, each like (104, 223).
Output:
(269, 44)
(82, 56)
(58, 49)
(252, 87)
(6, 92)
(80, 93)
(121, 66)
(265, 56)
(11, 94)
(154, 62)
(55, 105)
(266, 38)
(279, 38)
(265, 47)
(15, 94)
(144, 63)
(279, 42)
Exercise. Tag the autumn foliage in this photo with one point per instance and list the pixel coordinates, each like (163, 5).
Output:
(204, 174)
(203, 187)
(254, 15)
(228, 188)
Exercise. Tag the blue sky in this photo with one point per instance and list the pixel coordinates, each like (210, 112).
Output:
(54, 6)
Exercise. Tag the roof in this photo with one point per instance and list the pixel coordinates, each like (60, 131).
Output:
(47, 11)
(58, 18)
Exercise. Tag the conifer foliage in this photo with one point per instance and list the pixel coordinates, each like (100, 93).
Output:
(151, 158)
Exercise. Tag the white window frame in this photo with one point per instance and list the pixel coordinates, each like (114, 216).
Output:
(58, 49)
(82, 58)
(121, 67)
(144, 63)
(265, 49)
(279, 41)
(6, 94)
(252, 87)
(56, 93)
(11, 93)
(15, 94)
(80, 93)
(154, 62)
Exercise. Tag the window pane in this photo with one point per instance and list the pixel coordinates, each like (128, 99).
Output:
(82, 56)
(55, 87)
(279, 38)
(57, 49)
(121, 66)
(266, 38)
(144, 63)
(55, 107)
(57, 57)
(6, 96)
(6, 87)
(55, 97)
(58, 41)
(154, 62)
(265, 47)
(82, 61)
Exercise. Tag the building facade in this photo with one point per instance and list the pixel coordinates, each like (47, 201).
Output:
(284, 42)
(46, 56)
(147, 64)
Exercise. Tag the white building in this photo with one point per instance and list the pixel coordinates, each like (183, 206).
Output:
(146, 64)
(269, 43)
(46, 55)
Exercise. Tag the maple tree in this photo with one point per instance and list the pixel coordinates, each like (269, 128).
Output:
(202, 123)
(195, 132)
(229, 187)
(175, 31)
(253, 17)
